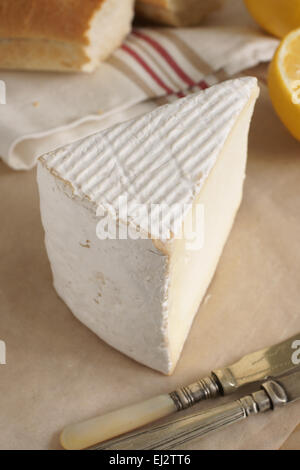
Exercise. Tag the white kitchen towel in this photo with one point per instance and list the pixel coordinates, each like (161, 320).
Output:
(43, 110)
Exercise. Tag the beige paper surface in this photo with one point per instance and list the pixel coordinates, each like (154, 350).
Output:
(293, 442)
(58, 372)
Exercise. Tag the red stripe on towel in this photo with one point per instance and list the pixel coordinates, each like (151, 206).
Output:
(148, 69)
(170, 60)
(165, 54)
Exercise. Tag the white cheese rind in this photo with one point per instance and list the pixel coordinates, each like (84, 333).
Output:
(163, 157)
(141, 296)
(115, 287)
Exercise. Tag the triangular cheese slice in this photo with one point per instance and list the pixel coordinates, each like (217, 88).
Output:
(140, 294)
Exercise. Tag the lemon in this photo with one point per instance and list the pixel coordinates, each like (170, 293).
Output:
(278, 17)
(284, 82)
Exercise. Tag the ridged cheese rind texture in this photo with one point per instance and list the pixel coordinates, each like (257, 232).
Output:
(161, 158)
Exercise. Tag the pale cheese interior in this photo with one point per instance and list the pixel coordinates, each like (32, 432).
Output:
(191, 271)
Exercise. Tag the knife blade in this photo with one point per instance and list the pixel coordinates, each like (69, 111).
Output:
(273, 361)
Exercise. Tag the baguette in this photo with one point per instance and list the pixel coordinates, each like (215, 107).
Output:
(176, 12)
(61, 35)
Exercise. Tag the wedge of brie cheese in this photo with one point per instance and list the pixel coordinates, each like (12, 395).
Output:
(140, 294)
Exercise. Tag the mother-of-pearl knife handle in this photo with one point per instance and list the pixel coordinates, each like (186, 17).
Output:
(86, 434)
(180, 431)
(257, 366)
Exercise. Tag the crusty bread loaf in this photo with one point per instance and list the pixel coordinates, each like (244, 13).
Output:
(176, 12)
(64, 35)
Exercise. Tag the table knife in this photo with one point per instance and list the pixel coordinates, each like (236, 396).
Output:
(272, 395)
(274, 361)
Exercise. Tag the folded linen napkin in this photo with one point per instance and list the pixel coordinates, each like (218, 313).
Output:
(44, 110)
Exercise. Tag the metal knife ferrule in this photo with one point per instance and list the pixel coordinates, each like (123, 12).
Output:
(203, 389)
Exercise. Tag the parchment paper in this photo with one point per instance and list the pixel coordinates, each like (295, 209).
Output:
(59, 372)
